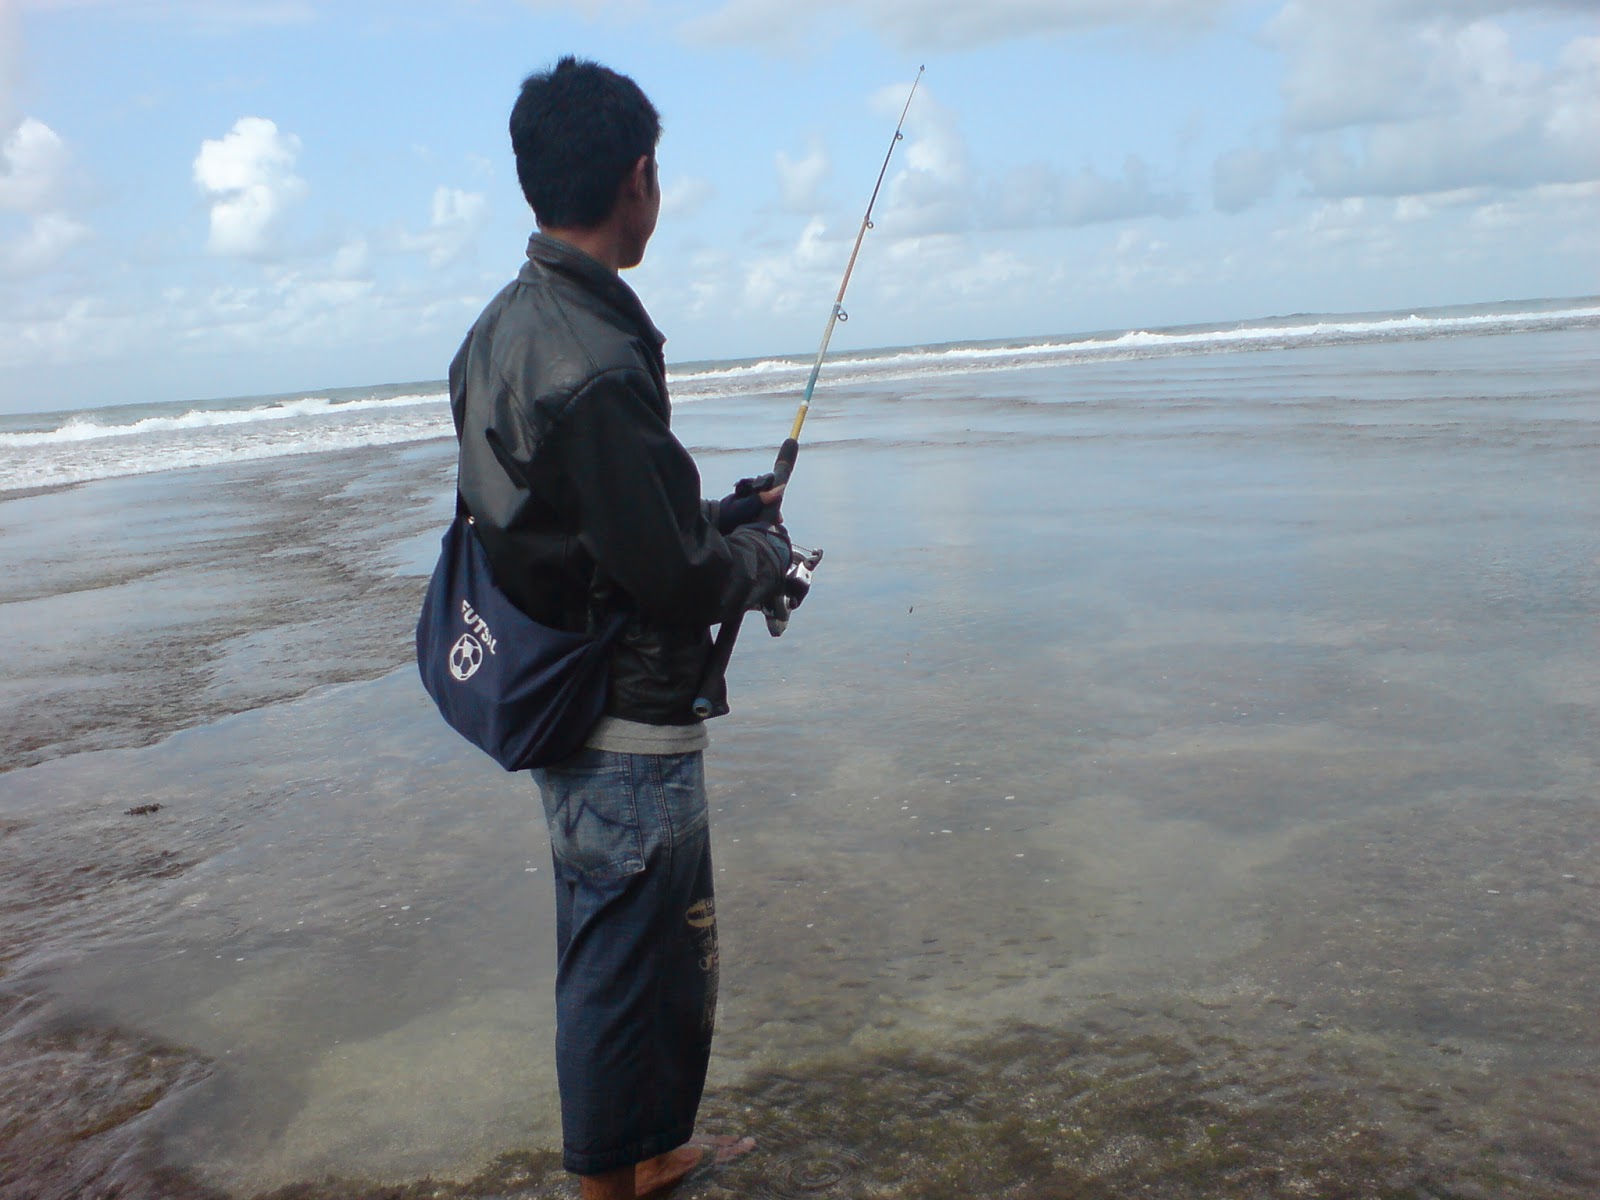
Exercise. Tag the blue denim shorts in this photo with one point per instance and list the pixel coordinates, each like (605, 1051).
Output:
(636, 932)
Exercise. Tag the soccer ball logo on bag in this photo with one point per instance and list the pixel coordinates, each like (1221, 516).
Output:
(466, 656)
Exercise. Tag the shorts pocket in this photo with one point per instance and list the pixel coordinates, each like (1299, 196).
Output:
(592, 813)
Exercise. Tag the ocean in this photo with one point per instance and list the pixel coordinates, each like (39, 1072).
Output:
(1181, 782)
(57, 448)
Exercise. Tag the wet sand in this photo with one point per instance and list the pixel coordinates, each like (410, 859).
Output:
(1188, 790)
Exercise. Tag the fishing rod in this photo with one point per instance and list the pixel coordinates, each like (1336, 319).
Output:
(708, 699)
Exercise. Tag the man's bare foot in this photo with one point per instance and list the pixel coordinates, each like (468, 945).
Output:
(665, 1170)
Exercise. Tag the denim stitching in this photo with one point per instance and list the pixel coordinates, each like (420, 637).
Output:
(637, 846)
(669, 835)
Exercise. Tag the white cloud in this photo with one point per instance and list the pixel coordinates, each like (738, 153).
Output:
(49, 237)
(937, 189)
(1362, 61)
(987, 273)
(958, 24)
(1409, 97)
(287, 310)
(1425, 208)
(932, 186)
(458, 218)
(353, 260)
(249, 177)
(934, 144)
(800, 179)
(1039, 196)
(923, 201)
(212, 16)
(11, 59)
(785, 282)
(684, 197)
(1353, 232)
(53, 331)
(918, 25)
(33, 166)
(1138, 259)
(1573, 207)
(1473, 9)
(281, 314)
(966, 275)
(1574, 88)
(592, 9)
(1243, 177)
(1337, 222)
(1349, 66)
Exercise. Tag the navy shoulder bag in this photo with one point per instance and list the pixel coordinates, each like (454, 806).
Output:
(525, 694)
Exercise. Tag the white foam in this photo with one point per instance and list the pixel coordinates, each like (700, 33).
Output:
(118, 457)
(957, 358)
(96, 446)
(81, 429)
(767, 366)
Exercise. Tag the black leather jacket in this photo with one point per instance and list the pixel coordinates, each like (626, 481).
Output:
(584, 500)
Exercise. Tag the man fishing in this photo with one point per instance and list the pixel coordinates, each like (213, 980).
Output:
(587, 506)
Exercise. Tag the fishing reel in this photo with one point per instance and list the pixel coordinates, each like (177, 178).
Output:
(796, 585)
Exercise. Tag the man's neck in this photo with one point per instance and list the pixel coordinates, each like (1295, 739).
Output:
(602, 243)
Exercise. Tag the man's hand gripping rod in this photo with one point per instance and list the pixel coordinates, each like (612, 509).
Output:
(708, 702)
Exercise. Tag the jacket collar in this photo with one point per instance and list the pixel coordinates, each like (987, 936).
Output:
(556, 255)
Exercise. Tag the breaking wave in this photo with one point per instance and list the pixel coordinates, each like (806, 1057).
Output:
(44, 450)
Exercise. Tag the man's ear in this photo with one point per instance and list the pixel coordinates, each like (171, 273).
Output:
(643, 176)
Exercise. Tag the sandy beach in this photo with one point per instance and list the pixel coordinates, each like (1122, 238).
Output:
(1181, 784)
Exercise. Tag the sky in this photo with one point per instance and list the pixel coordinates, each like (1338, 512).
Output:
(207, 198)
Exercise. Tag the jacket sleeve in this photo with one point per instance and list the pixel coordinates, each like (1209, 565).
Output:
(640, 513)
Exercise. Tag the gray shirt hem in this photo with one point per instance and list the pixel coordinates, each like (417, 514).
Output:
(635, 737)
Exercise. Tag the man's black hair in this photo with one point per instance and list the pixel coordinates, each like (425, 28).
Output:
(577, 129)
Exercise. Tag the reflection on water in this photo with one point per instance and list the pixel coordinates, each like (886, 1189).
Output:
(1182, 798)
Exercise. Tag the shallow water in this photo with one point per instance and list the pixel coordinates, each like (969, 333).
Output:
(1182, 782)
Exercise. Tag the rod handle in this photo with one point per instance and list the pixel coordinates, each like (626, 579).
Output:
(709, 703)
(783, 465)
(708, 700)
